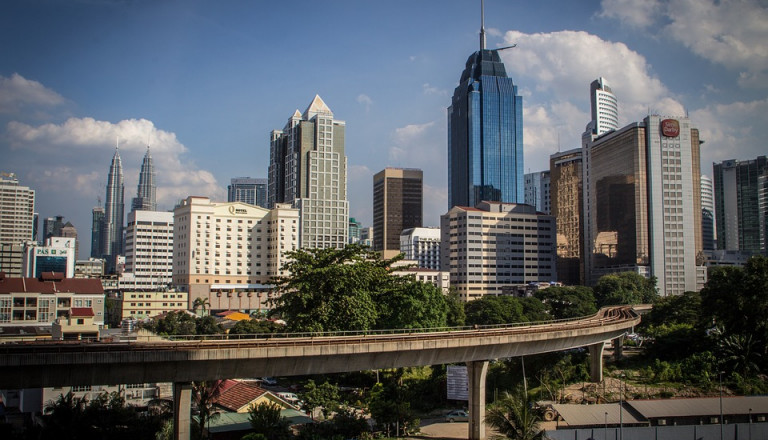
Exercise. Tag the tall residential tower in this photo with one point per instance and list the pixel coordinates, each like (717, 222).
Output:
(485, 133)
(308, 169)
(397, 205)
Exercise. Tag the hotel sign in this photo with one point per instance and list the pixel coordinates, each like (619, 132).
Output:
(235, 211)
(670, 127)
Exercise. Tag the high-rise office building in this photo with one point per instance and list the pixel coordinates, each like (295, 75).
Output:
(17, 215)
(397, 205)
(148, 250)
(645, 212)
(707, 214)
(112, 228)
(69, 231)
(737, 207)
(604, 106)
(97, 236)
(248, 190)
(566, 180)
(52, 227)
(537, 191)
(308, 169)
(354, 230)
(762, 210)
(145, 199)
(485, 133)
(497, 263)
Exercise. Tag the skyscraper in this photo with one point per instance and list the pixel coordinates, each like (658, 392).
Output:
(537, 191)
(145, 199)
(397, 205)
(737, 207)
(52, 227)
(605, 108)
(112, 229)
(645, 212)
(308, 169)
(485, 133)
(248, 190)
(707, 214)
(97, 237)
(566, 177)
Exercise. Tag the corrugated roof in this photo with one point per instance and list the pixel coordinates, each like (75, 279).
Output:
(595, 415)
(700, 406)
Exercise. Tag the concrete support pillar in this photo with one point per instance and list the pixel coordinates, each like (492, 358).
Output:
(596, 362)
(182, 410)
(476, 373)
(618, 348)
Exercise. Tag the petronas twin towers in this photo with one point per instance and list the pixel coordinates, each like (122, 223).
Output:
(110, 243)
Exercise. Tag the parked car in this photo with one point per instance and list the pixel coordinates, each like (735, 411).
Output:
(457, 415)
(268, 381)
(291, 398)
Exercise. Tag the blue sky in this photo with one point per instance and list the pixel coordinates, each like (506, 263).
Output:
(207, 81)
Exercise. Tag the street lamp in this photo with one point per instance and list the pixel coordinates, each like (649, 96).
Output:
(750, 424)
(720, 377)
(605, 431)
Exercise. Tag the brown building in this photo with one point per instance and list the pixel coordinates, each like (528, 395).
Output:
(566, 180)
(397, 205)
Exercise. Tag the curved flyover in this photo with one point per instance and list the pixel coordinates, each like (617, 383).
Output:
(30, 365)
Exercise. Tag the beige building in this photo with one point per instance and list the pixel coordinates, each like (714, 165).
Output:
(17, 216)
(148, 250)
(566, 180)
(145, 304)
(77, 325)
(228, 253)
(438, 278)
(496, 248)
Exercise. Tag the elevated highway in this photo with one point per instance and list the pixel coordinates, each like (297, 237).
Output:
(31, 365)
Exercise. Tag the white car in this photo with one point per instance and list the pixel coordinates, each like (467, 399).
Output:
(289, 397)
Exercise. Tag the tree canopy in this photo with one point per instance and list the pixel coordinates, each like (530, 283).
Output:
(353, 289)
(625, 288)
(568, 302)
(490, 310)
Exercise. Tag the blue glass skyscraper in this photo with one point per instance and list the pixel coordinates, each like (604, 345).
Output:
(485, 134)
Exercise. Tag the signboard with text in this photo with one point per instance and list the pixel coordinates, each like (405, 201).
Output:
(458, 385)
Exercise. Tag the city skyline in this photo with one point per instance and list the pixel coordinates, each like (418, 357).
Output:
(193, 81)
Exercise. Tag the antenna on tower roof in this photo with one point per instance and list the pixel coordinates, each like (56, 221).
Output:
(482, 24)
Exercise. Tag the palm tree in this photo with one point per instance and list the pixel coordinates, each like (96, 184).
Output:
(513, 417)
(201, 303)
(204, 395)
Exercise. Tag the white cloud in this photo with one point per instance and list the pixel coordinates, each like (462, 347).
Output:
(77, 154)
(557, 68)
(365, 100)
(18, 94)
(634, 13)
(731, 33)
(430, 90)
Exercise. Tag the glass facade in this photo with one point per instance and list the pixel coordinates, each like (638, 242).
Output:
(485, 135)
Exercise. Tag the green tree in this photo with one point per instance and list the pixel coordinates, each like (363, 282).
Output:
(352, 289)
(389, 405)
(201, 303)
(174, 323)
(675, 309)
(568, 302)
(207, 325)
(412, 304)
(324, 396)
(625, 288)
(513, 417)
(455, 316)
(254, 326)
(204, 394)
(490, 310)
(266, 419)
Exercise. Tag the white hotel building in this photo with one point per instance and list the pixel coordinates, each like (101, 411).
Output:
(228, 252)
(148, 250)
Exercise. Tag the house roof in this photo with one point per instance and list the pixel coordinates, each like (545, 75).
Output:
(700, 406)
(235, 397)
(81, 312)
(237, 316)
(51, 283)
